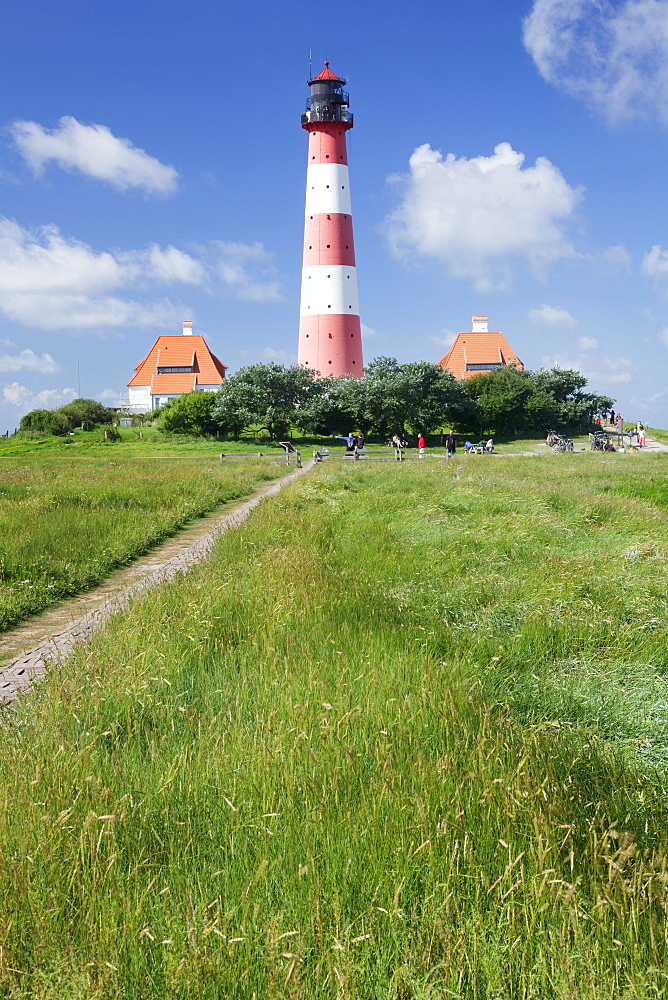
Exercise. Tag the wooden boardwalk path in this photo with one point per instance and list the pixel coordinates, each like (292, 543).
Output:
(39, 644)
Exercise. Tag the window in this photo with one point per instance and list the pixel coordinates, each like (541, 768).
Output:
(484, 368)
(170, 369)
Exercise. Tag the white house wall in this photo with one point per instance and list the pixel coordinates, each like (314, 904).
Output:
(139, 399)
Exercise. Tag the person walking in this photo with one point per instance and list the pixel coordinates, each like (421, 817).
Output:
(421, 444)
(450, 445)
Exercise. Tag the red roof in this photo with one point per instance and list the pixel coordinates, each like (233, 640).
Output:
(190, 351)
(173, 383)
(327, 74)
(484, 350)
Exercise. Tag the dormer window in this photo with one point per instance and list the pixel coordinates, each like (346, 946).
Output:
(170, 369)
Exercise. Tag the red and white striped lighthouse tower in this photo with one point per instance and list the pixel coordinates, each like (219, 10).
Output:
(330, 341)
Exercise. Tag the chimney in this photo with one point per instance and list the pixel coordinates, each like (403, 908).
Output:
(479, 324)
(187, 327)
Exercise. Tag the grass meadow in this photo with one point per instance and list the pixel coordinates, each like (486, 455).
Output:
(404, 736)
(67, 520)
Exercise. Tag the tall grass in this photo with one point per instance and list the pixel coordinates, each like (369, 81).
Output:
(370, 750)
(65, 523)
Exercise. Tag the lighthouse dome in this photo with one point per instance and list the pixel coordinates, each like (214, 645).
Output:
(326, 74)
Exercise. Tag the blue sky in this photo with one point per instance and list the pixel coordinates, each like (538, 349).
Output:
(507, 159)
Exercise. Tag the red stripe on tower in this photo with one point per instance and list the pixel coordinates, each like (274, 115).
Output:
(330, 340)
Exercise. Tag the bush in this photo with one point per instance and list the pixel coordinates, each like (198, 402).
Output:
(190, 414)
(86, 411)
(45, 422)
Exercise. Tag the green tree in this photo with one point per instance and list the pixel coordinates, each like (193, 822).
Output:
(45, 422)
(502, 395)
(321, 414)
(418, 396)
(267, 394)
(433, 397)
(234, 408)
(190, 414)
(86, 411)
(575, 409)
(513, 401)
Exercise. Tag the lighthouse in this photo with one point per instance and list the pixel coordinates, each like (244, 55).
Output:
(330, 340)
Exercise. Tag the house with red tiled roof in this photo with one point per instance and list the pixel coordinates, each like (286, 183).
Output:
(173, 367)
(479, 351)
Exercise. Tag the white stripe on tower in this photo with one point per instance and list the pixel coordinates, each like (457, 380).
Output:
(327, 188)
(329, 330)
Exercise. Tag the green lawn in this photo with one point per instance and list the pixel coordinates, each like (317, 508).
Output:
(403, 737)
(133, 441)
(67, 520)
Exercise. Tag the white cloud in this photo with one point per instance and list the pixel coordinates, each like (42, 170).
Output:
(368, 332)
(25, 400)
(52, 283)
(612, 371)
(561, 361)
(112, 397)
(600, 374)
(613, 55)
(552, 317)
(446, 339)
(655, 263)
(95, 151)
(29, 361)
(613, 259)
(247, 271)
(646, 403)
(167, 266)
(279, 357)
(485, 217)
(588, 344)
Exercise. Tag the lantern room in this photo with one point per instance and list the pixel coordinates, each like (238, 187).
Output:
(328, 101)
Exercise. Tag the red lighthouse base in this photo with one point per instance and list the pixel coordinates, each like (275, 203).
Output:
(331, 345)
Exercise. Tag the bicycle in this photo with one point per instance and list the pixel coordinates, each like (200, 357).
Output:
(562, 444)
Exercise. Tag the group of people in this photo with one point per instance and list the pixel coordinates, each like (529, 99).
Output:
(487, 446)
(615, 419)
(399, 441)
(354, 442)
(618, 424)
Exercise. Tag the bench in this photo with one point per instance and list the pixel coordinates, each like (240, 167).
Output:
(289, 451)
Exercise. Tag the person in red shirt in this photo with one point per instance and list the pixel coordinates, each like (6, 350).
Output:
(421, 444)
